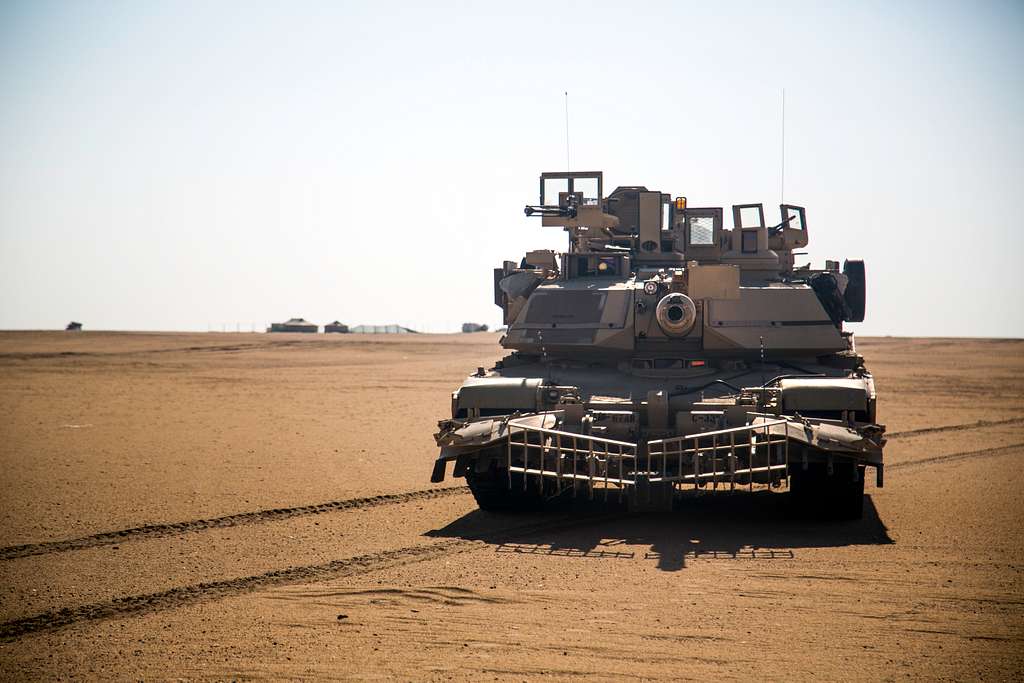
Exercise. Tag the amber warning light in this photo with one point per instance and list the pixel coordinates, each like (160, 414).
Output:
(680, 203)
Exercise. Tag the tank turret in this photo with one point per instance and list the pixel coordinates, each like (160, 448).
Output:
(666, 335)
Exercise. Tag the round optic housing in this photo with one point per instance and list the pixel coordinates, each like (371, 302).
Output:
(650, 288)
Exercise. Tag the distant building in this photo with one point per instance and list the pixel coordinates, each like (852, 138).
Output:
(381, 329)
(74, 327)
(336, 327)
(473, 327)
(294, 325)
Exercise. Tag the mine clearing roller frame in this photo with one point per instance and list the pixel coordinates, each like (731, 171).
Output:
(530, 465)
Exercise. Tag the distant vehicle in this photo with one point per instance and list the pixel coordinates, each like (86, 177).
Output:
(336, 327)
(473, 327)
(664, 351)
(294, 325)
(73, 327)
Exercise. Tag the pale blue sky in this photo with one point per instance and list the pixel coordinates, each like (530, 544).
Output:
(174, 166)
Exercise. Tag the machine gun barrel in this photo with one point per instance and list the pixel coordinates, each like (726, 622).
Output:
(559, 211)
(776, 229)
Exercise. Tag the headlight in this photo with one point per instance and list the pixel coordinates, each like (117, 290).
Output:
(650, 288)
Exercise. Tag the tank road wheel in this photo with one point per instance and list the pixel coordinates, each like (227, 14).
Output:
(492, 492)
(820, 496)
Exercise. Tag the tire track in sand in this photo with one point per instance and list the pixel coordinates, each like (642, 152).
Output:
(361, 564)
(260, 516)
(953, 457)
(174, 597)
(980, 424)
(239, 519)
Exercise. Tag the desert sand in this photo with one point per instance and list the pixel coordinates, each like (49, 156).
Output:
(233, 506)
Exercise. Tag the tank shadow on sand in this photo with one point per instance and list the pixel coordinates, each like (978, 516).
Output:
(740, 526)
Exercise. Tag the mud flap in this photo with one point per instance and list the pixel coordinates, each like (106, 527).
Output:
(437, 476)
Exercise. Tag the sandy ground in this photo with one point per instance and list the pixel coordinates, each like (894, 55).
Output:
(229, 506)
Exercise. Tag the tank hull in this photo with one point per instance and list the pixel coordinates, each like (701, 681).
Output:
(530, 433)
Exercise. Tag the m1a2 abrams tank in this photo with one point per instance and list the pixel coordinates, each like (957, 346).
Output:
(663, 352)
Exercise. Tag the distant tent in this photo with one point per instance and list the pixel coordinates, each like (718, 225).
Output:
(294, 325)
(381, 329)
(473, 327)
(74, 327)
(336, 327)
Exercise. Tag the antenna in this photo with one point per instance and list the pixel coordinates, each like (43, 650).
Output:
(568, 166)
(762, 361)
(782, 182)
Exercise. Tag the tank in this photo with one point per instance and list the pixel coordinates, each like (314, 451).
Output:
(663, 352)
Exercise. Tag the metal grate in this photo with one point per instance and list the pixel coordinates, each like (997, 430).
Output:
(578, 459)
(729, 456)
(721, 456)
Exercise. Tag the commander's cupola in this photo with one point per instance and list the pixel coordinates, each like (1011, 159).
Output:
(634, 227)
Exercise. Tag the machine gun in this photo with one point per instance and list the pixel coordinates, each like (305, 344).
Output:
(560, 211)
(777, 229)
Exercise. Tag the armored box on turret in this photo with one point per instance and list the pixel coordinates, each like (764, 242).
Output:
(663, 352)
